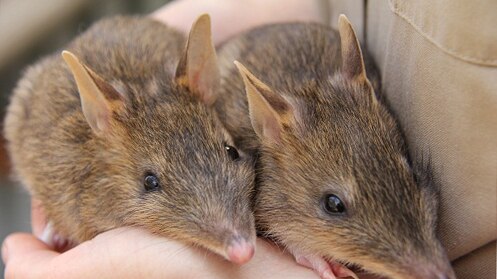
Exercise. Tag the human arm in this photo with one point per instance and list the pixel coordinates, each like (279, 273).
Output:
(231, 17)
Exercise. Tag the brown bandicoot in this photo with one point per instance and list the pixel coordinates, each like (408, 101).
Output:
(124, 134)
(334, 183)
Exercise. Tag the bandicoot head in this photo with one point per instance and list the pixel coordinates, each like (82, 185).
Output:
(335, 179)
(170, 165)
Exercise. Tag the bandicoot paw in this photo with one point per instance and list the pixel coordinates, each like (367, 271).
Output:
(54, 240)
(325, 269)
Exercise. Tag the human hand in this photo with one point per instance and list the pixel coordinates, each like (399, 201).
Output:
(134, 253)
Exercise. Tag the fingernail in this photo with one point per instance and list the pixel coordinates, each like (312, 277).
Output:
(5, 252)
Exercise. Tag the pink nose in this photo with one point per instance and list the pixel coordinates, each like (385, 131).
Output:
(240, 251)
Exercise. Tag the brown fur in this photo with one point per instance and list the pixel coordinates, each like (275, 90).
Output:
(343, 141)
(88, 183)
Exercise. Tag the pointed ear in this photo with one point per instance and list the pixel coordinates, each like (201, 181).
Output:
(198, 69)
(353, 67)
(269, 111)
(98, 98)
(352, 60)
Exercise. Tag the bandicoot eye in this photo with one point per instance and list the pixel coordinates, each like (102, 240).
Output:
(150, 182)
(232, 152)
(333, 204)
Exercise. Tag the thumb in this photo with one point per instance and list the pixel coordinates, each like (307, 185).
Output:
(21, 250)
(19, 244)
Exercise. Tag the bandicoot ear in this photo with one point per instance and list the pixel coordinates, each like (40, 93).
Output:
(353, 67)
(198, 69)
(352, 61)
(98, 98)
(269, 111)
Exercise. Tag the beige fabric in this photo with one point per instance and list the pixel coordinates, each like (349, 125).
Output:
(466, 30)
(439, 73)
(479, 264)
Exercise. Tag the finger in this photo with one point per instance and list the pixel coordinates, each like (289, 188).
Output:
(97, 258)
(108, 256)
(38, 219)
(20, 244)
(23, 250)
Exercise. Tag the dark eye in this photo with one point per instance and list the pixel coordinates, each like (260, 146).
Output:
(151, 183)
(333, 204)
(232, 152)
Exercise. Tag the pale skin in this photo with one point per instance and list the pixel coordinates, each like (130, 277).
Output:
(134, 253)
(231, 17)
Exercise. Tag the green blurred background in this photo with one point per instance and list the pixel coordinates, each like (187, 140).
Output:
(30, 29)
